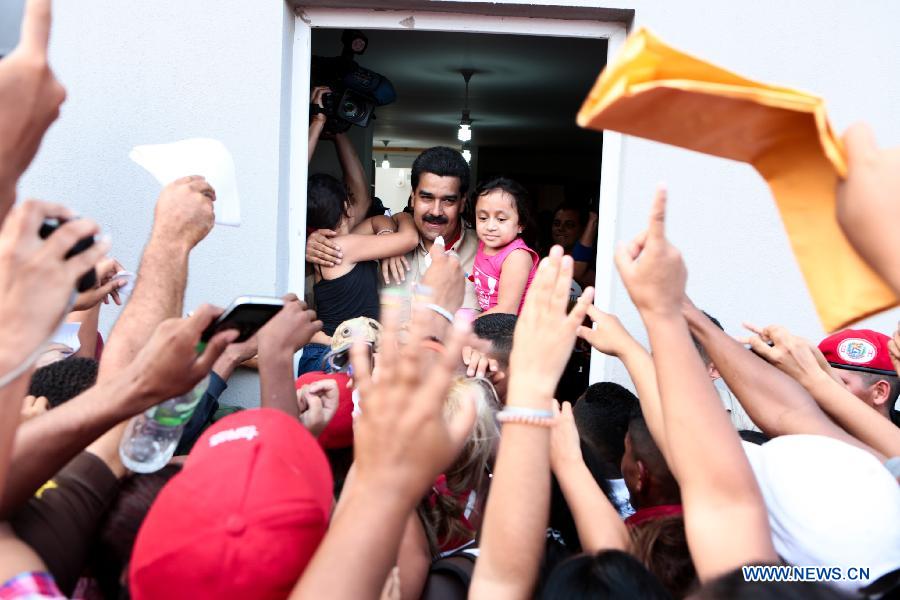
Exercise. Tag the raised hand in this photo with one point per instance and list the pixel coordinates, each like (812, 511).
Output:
(565, 444)
(106, 286)
(318, 402)
(290, 329)
(168, 365)
(792, 354)
(30, 97)
(402, 439)
(184, 211)
(652, 268)
(36, 280)
(608, 335)
(545, 333)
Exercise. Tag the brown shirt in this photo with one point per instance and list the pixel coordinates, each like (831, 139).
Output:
(60, 520)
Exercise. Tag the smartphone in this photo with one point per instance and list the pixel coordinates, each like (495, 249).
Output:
(89, 279)
(247, 314)
(10, 24)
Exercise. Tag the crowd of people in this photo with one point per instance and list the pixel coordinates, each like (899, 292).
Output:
(422, 452)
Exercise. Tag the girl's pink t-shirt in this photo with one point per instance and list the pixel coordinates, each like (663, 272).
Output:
(486, 273)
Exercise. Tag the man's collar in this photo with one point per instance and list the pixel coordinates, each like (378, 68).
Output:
(451, 244)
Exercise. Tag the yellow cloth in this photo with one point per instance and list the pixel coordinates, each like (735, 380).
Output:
(656, 92)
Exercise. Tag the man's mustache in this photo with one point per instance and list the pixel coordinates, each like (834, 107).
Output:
(435, 220)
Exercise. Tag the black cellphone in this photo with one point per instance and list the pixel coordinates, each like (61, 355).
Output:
(89, 279)
(247, 314)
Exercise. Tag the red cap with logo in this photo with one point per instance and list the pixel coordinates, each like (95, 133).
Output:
(858, 350)
(339, 431)
(243, 517)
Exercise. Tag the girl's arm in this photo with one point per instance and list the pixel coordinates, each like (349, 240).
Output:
(513, 280)
(375, 225)
(358, 247)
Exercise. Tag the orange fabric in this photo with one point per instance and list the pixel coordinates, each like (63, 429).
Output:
(656, 92)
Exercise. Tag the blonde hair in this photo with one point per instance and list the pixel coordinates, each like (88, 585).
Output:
(442, 518)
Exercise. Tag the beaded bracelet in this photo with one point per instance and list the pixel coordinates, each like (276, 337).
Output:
(526, 416)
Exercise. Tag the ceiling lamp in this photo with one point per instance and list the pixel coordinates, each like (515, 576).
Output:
(465, 123)
(467, 154)
(385, 164)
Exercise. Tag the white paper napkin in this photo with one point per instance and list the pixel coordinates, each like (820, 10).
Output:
(196, 156)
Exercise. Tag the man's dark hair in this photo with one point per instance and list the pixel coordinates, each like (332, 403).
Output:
(612, 575)
(511, 187)
(326, 201)
(443, 162)
(580, 209)
(116, 535)
(645, 449)
(602, 414)
(699, 346)
(64, 379)
(498, 328)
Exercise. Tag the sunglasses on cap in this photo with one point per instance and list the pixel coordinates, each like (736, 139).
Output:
(338, 360)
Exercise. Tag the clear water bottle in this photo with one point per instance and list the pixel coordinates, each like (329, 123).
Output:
(152, 436)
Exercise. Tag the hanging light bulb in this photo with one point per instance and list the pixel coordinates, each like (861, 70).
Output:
(467, 154)
(385, 164)
(465, 123)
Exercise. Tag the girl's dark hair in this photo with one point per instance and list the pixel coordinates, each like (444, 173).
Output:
(511, 187)
(661, 545)
(326, 201)
(115, 538)
(514, 189)
(611, 574)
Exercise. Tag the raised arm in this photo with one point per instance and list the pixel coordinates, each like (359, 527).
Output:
(279, 339)
(354, 177)
(317, 119)
(30, 97)
(36, 285)
(718, 488)
(402, 441)
(358, 248)
(598, 523)
(798, 358)
(868, 202)
(609, 337)
(774, 400)
(184, 215)
(515, 520)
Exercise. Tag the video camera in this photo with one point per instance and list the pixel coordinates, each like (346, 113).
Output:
(355, 91)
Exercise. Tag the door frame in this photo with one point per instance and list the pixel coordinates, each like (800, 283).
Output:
(308, 18)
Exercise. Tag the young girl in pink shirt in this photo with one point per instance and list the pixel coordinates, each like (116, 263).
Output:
(504, 265)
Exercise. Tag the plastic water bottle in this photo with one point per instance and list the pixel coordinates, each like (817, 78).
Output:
(152, 436)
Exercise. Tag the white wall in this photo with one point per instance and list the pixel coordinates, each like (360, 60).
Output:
(392, 186)
(721, 214)
(141, 72)
(150, 72)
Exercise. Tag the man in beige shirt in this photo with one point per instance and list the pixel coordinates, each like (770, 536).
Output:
(440, 181)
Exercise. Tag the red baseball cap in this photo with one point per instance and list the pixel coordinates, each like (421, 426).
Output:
(243, 517)
(858, 350)
(339, 431)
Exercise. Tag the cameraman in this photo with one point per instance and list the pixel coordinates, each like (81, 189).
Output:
(354, 175)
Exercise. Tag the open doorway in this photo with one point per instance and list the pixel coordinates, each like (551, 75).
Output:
(523, 94)
(529, 79)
